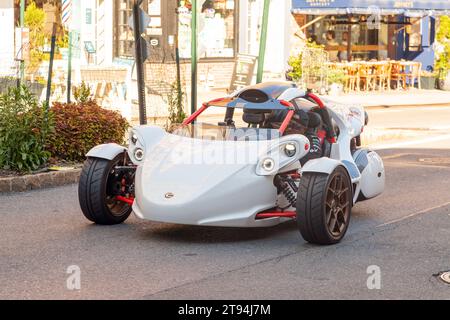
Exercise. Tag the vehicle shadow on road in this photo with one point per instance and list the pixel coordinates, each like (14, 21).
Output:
(199, 234)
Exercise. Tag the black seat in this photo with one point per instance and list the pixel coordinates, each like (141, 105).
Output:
(254, 118)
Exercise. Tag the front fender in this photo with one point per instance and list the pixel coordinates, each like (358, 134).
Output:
(106, 151)
(321, 165)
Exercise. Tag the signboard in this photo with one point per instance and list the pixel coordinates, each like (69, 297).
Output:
(88, 16)
(89, 47)
(144, 21)
(244, 70)
(386, 4)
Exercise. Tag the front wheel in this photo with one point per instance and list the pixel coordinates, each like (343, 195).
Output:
(324, 206)
(101, 181)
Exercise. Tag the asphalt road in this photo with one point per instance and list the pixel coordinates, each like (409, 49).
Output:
(405, 232)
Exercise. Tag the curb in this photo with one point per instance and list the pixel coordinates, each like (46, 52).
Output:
(39, 181)
(373, 107)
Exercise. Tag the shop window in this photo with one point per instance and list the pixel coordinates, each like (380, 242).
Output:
(216, 28)
(123, 34)
(415, 35)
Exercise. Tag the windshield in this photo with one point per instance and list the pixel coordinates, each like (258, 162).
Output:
(224, 133)
(225, 124)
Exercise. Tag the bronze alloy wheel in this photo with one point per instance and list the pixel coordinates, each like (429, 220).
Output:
(324, 204)
(337, 205)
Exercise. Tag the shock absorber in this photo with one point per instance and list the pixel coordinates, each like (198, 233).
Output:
(290, 195)
(288, 188)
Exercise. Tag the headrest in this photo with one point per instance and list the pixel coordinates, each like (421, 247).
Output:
(254, 117)
(314, 120)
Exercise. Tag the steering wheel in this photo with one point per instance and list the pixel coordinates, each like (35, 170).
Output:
(322, 110)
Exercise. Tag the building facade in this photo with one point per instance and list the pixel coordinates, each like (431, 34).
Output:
(373, 29)
(7, 44)
(225, 28)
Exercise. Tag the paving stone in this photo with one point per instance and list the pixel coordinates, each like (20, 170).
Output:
(33, 181)
(5, 184)
(18, 184)
(39, 181)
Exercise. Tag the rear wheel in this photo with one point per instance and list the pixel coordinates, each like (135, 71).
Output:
(101, 181)
(324, 205)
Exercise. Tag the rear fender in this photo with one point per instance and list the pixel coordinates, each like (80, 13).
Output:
(327, 166)
(106, 151)
(322, 165)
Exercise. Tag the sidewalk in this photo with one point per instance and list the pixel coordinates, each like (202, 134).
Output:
(413, 97)
(157, 110)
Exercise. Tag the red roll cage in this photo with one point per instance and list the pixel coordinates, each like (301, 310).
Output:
(287, 104)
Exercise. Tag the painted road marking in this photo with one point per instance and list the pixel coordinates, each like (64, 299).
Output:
(414, 214)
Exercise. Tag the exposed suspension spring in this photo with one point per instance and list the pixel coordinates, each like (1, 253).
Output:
(287, 186)
(290, 195)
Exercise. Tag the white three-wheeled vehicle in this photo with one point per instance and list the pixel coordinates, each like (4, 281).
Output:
(262, 156)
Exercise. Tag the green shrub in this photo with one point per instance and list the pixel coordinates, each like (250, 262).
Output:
(82, 93)
(443, 37)
(335, 76)
(174, 99)
(81, 126)
(35, 20)
(24, 126)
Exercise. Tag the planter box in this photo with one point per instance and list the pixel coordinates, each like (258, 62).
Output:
(428, 83)
(444, 84)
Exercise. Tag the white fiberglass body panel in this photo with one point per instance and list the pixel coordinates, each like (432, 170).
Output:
(209, 182)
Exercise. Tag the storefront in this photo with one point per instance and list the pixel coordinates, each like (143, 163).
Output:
(225, 29)
(7, 43)
(371, 29)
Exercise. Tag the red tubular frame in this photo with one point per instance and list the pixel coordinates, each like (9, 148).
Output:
(129, 201)
(195, 115)
(286, 121)
(316, 99)
(267, 215)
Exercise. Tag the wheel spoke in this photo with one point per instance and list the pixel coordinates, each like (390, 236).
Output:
(337, 204)
(344, 206)
(332, 222)
(341, 192)
(341, 184)
(335, 183)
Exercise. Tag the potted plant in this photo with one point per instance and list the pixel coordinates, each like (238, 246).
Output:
(335, 81)
(295, 63)
(428, 80)
(443, 53)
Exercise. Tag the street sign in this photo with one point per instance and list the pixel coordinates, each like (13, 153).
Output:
(144, 20)
(144, 49)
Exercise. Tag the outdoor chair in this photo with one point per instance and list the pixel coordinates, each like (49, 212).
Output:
(398, 74)
(383, 75)
(367, 76)
(412, 73)
(351, 80)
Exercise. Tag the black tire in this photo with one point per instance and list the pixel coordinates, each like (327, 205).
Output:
(323, 216)
(95, 203)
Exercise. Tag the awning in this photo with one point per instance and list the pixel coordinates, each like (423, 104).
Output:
(409, 8)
